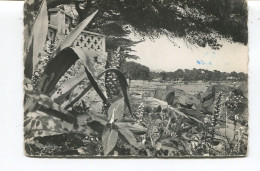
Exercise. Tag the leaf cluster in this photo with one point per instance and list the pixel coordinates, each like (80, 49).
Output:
(39, 97)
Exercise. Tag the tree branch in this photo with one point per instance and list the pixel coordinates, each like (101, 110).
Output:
(79, 11)
(83, 13)
(54, 3)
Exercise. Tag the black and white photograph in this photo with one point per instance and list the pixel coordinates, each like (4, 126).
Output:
(135, 78)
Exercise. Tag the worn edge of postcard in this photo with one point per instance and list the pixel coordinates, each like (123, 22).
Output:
(58, 117)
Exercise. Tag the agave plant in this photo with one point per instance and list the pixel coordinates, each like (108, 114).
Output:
(39, 97)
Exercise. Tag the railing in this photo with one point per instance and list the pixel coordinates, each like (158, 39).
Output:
(91, 41)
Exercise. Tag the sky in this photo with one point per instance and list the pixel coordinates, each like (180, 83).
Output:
(161, 55)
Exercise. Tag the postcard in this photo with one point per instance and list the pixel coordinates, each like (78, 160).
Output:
(136, 78)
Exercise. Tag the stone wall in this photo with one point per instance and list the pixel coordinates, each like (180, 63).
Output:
(60, 20)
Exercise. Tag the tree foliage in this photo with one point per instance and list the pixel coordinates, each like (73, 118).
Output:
(136, 71)
(199, 22)
(198, 74)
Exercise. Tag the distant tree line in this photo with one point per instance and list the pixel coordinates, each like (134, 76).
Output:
(199, 74)
(136, 71)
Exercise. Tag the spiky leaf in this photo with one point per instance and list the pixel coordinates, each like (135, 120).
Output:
(86, 56)
(68, 86)
(123, 84)
(75, 33)
(36, 41)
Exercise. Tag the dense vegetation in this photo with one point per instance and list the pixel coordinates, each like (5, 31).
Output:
(137, 71)
(60, 122)
(199, 74)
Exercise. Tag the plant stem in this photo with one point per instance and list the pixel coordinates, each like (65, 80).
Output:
(226, 129)
(169, 121)
(226, 122)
